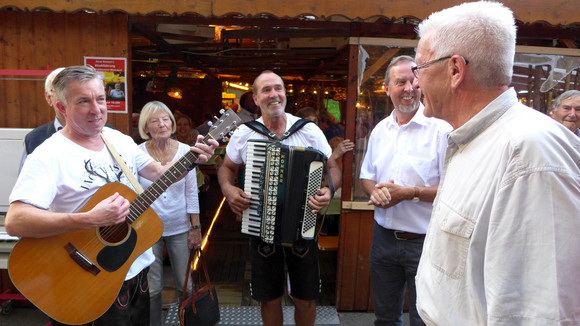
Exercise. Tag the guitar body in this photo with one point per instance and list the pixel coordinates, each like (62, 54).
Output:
(75, 277)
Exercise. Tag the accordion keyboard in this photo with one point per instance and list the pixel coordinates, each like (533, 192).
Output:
(256, 159)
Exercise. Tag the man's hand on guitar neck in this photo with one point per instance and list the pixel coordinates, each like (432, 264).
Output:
(204, 151)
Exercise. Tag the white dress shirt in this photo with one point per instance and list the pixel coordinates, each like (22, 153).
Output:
(412, 155)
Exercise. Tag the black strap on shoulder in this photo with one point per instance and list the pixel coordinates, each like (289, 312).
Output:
(261, 129)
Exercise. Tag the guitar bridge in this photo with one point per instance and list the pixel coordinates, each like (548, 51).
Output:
(82, 260)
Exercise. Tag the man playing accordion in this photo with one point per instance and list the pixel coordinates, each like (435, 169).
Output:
(268, 281)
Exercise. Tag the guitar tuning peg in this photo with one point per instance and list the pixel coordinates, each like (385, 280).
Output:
(222, 111)
(209, 123)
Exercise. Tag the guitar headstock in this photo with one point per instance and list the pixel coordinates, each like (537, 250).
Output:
(224, 125)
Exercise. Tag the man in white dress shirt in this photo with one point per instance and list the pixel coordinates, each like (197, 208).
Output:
(400, 173)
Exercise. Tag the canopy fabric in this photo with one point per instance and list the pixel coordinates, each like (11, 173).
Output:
(559, 12)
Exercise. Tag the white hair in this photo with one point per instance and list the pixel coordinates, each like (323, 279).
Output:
(50, 78)
(483, 32)
(564, 96)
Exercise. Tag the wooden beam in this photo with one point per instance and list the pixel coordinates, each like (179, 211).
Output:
(340, 57)
(175, 52)
(568, 42)
(285, 33)
(380, 63)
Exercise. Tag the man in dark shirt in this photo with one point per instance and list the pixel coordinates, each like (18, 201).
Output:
(40, 134)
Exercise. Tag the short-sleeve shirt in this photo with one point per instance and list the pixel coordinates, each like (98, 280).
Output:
(62, 176)
(308, 136)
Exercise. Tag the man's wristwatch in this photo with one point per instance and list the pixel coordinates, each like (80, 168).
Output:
(195, 227)
(416, 196)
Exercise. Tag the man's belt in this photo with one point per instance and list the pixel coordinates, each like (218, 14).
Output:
(402, 235)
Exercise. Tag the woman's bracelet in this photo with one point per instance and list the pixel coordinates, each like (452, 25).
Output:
(195, 227)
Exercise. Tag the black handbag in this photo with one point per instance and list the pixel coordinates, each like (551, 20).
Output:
(202, 307)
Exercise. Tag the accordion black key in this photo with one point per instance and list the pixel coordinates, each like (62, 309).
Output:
(280, 179)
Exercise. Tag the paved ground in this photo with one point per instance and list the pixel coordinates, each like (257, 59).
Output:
(33, 317)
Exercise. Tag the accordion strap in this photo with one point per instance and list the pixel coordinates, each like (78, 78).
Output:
(262, 129)
(330, 184)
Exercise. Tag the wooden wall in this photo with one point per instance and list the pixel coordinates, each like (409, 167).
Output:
(353, 284)
(46, 41)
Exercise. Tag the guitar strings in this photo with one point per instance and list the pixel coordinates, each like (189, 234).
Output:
(109, 234)
(142, 205)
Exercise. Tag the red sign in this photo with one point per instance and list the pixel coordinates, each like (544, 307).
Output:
(114, 71)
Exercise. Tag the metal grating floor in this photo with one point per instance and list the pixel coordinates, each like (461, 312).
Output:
(250, 315)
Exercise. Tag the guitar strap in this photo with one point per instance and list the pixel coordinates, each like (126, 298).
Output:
(123, 166)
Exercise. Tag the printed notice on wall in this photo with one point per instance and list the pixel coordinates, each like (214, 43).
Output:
(114, 71)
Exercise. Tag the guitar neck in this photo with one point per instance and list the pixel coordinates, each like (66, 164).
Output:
(145, 199)
(224, 125)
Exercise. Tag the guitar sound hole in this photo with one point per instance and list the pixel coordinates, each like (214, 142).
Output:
(114, 233)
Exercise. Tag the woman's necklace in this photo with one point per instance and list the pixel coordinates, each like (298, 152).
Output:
(162, 155)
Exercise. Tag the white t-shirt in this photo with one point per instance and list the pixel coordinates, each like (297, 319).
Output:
(62, 176)
(179, 200)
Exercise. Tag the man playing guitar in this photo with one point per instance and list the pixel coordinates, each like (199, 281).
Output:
(64, 172)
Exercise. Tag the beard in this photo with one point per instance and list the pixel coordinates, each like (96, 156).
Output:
(408, 108)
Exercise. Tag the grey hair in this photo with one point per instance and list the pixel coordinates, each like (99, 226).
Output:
(50, 79)
(483, 32)
(564, 96)
(148, 110)
(395, 61)
(72, 73)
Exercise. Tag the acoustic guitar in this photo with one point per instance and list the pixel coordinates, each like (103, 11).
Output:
(74, 277)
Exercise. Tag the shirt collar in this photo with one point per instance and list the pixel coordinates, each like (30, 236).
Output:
(57, 125)
(419, 118)
(484, 118)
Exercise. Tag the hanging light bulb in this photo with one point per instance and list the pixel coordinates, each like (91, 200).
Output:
(175, 92)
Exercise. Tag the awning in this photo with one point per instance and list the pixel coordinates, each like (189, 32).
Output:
(560, 12)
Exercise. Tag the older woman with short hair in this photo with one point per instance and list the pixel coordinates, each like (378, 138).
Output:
(178, 206)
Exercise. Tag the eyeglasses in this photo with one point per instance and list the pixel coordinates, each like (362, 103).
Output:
(415, 69)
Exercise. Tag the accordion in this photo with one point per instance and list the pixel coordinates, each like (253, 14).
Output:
(280, 179)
